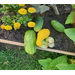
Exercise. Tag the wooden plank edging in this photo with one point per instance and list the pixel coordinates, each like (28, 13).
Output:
(48, 49)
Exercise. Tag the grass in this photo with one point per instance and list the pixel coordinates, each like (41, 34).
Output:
(20, 60)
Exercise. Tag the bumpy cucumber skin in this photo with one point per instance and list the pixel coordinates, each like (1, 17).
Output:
(30, 42)
(30, 48)
(39, 23)
(57, 26)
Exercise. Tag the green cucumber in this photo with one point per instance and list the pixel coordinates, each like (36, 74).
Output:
(30, 41)
(38, 23)
(57, 26)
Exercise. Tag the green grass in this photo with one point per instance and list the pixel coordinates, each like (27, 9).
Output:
(20, 60)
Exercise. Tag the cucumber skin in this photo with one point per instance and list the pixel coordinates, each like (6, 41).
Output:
(39, 23)
(30, 42)
(30, 48)
(57, 26)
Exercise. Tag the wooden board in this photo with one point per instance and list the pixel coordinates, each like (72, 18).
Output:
(47, 49)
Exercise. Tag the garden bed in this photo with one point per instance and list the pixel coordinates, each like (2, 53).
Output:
(62, 42)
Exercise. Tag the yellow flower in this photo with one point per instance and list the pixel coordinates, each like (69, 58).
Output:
(17, 25)
(31, 24)
(22, 11)
(13, 21)
(31, 10)
(8, 27)
(21, 4)
(2, 26)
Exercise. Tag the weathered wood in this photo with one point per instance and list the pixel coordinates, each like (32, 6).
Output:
(11, 42)
(57, 51)
(48, 49)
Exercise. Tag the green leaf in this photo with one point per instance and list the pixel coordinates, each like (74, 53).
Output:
(61, 59)
(36, 6)
(40, 8)
(7, 20)
(66, 66)
(45, 63)
(70, 18)
(43, 8)
(70, 33)
(49, 64)
(73, 6)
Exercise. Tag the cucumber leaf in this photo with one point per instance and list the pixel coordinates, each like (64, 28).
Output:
(70, 18)
(66, 66)
(45, 63)
(49, 64)
(70, 33)
(61, 59)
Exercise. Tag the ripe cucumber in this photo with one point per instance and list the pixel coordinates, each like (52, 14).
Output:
(57, 26)
(30, 41)
(38, 23)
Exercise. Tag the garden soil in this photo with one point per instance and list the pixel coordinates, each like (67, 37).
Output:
(62, 42)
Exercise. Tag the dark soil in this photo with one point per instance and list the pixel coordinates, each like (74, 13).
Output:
(62, 42)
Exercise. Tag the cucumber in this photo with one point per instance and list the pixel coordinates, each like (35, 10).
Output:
(30, 41)
(38, 23)
(57, 26)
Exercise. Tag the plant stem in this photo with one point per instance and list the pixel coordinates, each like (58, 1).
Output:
(74, 19)
(74, 25)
